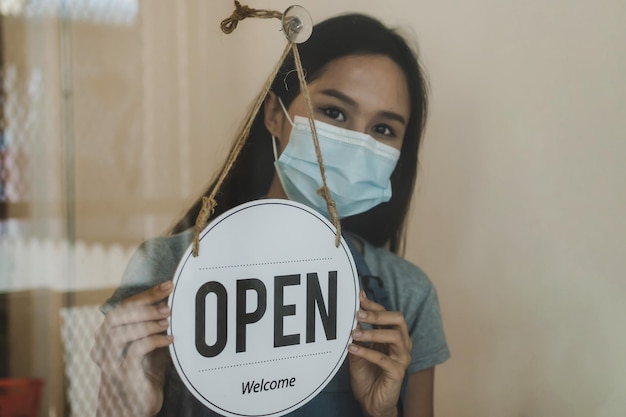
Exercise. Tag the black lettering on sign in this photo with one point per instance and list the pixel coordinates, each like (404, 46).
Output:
(253, 386)
(244, 318)
(327, 309)
(222, 304)
(281, 310)
(314, 298)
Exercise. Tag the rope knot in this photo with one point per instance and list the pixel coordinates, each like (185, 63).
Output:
(324, 191)
(241, 12)
(208, 208)
(229, 24)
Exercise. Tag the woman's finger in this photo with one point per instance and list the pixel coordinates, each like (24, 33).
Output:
(151, 295)
(393, 369)
(132, 360)
(122, 336)
(367, 304)
(382, 318)
(392, 338)
(133, 313)
(137, 350)
(386, 319)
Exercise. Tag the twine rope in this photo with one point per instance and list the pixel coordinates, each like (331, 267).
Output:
(324, 191)
(229, 24)
(208, 202)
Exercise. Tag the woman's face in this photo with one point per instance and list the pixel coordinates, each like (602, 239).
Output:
(364, 93)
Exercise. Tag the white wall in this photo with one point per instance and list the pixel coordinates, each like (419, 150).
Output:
(519, 215)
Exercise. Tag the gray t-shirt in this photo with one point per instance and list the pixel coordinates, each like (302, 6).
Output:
(409, 291)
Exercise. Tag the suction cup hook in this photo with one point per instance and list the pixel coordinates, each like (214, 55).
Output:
(297, 24)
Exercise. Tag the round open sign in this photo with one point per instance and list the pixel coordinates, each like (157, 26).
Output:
(263, 316)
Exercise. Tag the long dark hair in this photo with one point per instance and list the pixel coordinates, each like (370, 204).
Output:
(352, 34)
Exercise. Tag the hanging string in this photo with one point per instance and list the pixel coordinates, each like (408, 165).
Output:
(324, 191)
(208, 202)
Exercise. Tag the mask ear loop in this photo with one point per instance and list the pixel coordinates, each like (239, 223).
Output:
(274, 148)
(208, 202)
(285, 111)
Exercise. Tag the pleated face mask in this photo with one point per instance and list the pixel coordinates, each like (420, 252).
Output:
(358, 167)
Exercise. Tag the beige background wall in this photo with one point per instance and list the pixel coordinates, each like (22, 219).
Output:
(519, 213)
(520, 210)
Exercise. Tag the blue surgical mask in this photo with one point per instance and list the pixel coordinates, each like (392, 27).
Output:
(357, 166)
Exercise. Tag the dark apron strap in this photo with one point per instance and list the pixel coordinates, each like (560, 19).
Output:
(373, 287)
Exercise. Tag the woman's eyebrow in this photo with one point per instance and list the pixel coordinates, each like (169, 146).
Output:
(340, 96)
(392, 116)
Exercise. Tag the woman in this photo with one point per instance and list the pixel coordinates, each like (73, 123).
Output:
(364, 82)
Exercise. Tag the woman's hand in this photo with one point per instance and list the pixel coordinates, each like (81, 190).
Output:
(379, 358)
(129, 349)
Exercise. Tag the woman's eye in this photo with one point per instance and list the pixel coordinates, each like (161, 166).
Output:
(334, 114)
(383, 129)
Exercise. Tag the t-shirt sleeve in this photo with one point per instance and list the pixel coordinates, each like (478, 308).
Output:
(425, 325)
(154, 262)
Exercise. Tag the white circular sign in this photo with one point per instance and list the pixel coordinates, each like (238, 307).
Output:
(263, 316)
